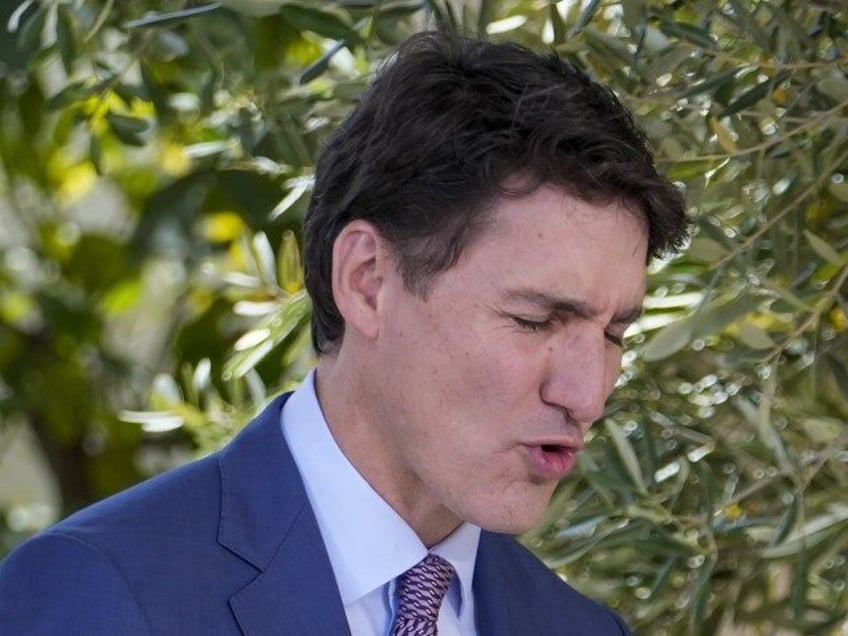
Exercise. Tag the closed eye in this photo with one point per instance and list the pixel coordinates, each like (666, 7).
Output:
(618, 341)
(532, 325)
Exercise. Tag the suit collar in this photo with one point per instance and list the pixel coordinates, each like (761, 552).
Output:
(267, 521)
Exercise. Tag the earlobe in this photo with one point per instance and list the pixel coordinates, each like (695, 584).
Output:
(358, 256)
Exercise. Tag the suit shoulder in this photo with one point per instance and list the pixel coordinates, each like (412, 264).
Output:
(60, 583)
(542, 588)
(156, 502)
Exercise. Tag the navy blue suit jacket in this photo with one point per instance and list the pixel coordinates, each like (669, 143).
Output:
(229, 545)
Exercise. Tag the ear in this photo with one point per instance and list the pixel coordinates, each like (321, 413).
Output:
(359, 262)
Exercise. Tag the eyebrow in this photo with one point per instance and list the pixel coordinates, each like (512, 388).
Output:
(570, 306)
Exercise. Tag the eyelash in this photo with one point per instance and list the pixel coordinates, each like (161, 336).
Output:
(618, 341)
(532, 325)
(541, 325)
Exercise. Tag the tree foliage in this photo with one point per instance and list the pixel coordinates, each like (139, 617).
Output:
(156, 162)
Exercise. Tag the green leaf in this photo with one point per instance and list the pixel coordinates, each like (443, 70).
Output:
(318, 68)
(689, 32)
(299, 186)
(127, 129)
(326, 23)
(627, 455)
(128, 124)
(29, 35)
(701, 595)
(269, 333)
(102, 17)
(823, 430)
(586, 16)
(787, 296)
(172, 17)
(753, 95)
(662, 576)
(706, 249)
(290, 270)
(754, 337)
(684, 169)
(557, 25)
(813, 533)
(73, 92)
(65, 38)
(835, 87)
(787, 522)
(824, 249)
(716, 316)
(839, 190)
(263, 254)
(713, 82)
(668, 340)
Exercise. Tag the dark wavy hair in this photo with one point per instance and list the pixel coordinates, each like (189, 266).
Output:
(445, 129)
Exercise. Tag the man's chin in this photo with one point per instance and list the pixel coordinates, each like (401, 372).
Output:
(515, 522)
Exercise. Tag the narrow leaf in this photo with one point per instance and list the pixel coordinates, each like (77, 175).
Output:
(171, 17)
(689, 32)
(753, 95)
(318, 67)
(812, 533)
(701, 596)
(586, 16)
(725, 137)
(275, 329)
(325, 23)
(265, 261)
(754, 337)
(714, 82)
(65, 38)
(824, 249)
(299, 186)
(557, 24)
(669, 340)
(288, 263)
(29, 36)
(627, 455)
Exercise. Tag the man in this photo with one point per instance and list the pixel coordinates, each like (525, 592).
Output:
(475, 250)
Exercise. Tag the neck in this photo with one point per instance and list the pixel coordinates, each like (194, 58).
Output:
(351, 408)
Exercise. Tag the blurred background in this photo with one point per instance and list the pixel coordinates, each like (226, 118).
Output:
(156, 164)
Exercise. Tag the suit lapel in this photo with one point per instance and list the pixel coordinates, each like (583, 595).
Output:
(492, 593)
(267, 521)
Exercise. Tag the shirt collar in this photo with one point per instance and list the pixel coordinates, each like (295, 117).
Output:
(348, 510)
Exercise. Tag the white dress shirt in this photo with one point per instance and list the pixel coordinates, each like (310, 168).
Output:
(368, 543)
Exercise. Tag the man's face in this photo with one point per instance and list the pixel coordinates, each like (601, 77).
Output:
(486, 388)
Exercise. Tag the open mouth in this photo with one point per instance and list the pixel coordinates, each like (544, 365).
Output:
(552, 461)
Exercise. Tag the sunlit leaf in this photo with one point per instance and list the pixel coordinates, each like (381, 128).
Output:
(812, 533)
(290, 270)
(266, 335)
(627, 454)
(669, 340)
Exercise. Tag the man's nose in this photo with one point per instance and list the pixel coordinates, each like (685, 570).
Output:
(578, 378)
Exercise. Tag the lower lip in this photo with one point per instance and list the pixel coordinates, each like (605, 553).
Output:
(552, 464)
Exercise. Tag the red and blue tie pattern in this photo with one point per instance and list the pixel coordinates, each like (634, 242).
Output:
(420, 592)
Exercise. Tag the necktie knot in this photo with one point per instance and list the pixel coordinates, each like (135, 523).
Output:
(421, 590)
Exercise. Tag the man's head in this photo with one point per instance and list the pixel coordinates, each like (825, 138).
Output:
(450, 126)
(475, 250)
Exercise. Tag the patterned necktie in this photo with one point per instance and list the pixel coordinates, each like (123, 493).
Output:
(420, 592)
